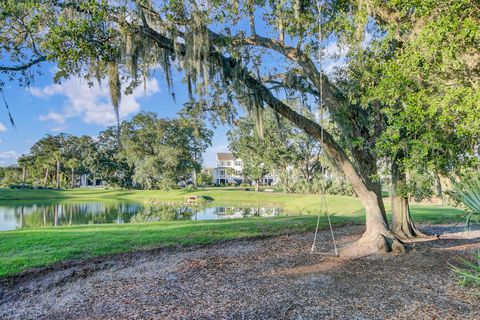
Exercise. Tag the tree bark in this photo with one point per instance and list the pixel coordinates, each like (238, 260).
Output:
(402, 223)
(257, 185)
(58, 174)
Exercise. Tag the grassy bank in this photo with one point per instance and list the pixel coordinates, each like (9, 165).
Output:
(24, 249)
(29, 248)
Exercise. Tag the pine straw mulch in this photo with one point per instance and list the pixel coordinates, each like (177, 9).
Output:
(273, 278)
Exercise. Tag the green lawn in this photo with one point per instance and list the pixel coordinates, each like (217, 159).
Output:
(29, 248)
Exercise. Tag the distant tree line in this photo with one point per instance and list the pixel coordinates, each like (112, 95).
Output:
(149, 153)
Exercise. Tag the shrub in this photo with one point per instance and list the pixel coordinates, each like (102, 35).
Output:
(467, 192)
(469, 273)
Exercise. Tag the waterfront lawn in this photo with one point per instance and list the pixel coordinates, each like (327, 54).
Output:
(29, 248)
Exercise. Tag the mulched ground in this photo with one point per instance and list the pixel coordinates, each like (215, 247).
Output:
(273, 278)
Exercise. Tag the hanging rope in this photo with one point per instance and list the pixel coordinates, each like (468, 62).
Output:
(323, 200)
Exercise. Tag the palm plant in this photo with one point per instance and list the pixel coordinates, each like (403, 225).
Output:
(469, 272)
(467, 192)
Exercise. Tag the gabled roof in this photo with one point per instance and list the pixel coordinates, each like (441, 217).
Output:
(225, 156)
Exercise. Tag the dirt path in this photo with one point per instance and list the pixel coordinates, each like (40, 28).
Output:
(275, 278)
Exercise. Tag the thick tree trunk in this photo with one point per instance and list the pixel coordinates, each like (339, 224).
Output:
(366, 163)
(377, 237)
(24, 176)
(257, 185)
(58, 174)
(402, 223)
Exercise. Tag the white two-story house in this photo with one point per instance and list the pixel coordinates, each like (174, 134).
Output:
(228, 170)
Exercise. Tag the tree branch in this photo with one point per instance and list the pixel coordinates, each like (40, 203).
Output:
(24, 66)
(233, 71)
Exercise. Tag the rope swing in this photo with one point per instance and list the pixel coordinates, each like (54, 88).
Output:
(321, 109)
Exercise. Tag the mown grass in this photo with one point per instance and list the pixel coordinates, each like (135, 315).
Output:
(29, 248)
(24, 249)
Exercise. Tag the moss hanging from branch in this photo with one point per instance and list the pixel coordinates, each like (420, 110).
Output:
(115, 92)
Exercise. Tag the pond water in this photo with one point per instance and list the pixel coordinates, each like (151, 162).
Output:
(34, 215)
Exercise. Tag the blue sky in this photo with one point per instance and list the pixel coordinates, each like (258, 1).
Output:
(72, 107)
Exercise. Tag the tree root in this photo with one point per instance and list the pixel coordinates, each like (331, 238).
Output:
(372, 244)
(409, 232)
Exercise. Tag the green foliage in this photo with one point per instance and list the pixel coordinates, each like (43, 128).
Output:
(469, 273)
(293, 154)
(11, 176)
(467, 192)
(205, 179)
(161, 152)
(152, 213)
(155, 153)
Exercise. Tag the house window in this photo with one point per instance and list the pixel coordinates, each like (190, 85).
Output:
(228, 164)
(238, 172)
(222, 172)
(238, 163)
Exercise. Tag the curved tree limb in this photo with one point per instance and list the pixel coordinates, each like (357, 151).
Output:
(24, 66)
(234, 72)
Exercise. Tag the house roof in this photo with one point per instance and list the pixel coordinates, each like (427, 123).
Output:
(225, 156)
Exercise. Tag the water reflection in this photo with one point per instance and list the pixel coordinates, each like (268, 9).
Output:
(57, 214)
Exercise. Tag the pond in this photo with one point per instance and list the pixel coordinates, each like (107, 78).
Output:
(34, 215)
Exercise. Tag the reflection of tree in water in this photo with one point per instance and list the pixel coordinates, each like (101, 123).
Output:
(162, 213)
(251, 212)
(48, 215)
(236, 212)
(67, 213)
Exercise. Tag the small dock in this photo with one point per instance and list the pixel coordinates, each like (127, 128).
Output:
(191, 199)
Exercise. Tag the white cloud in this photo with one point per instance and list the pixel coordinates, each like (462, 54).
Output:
(2, 127)
(92, 104)
(333, 50)
(54, 116)
(8, 157)
(59, 129)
